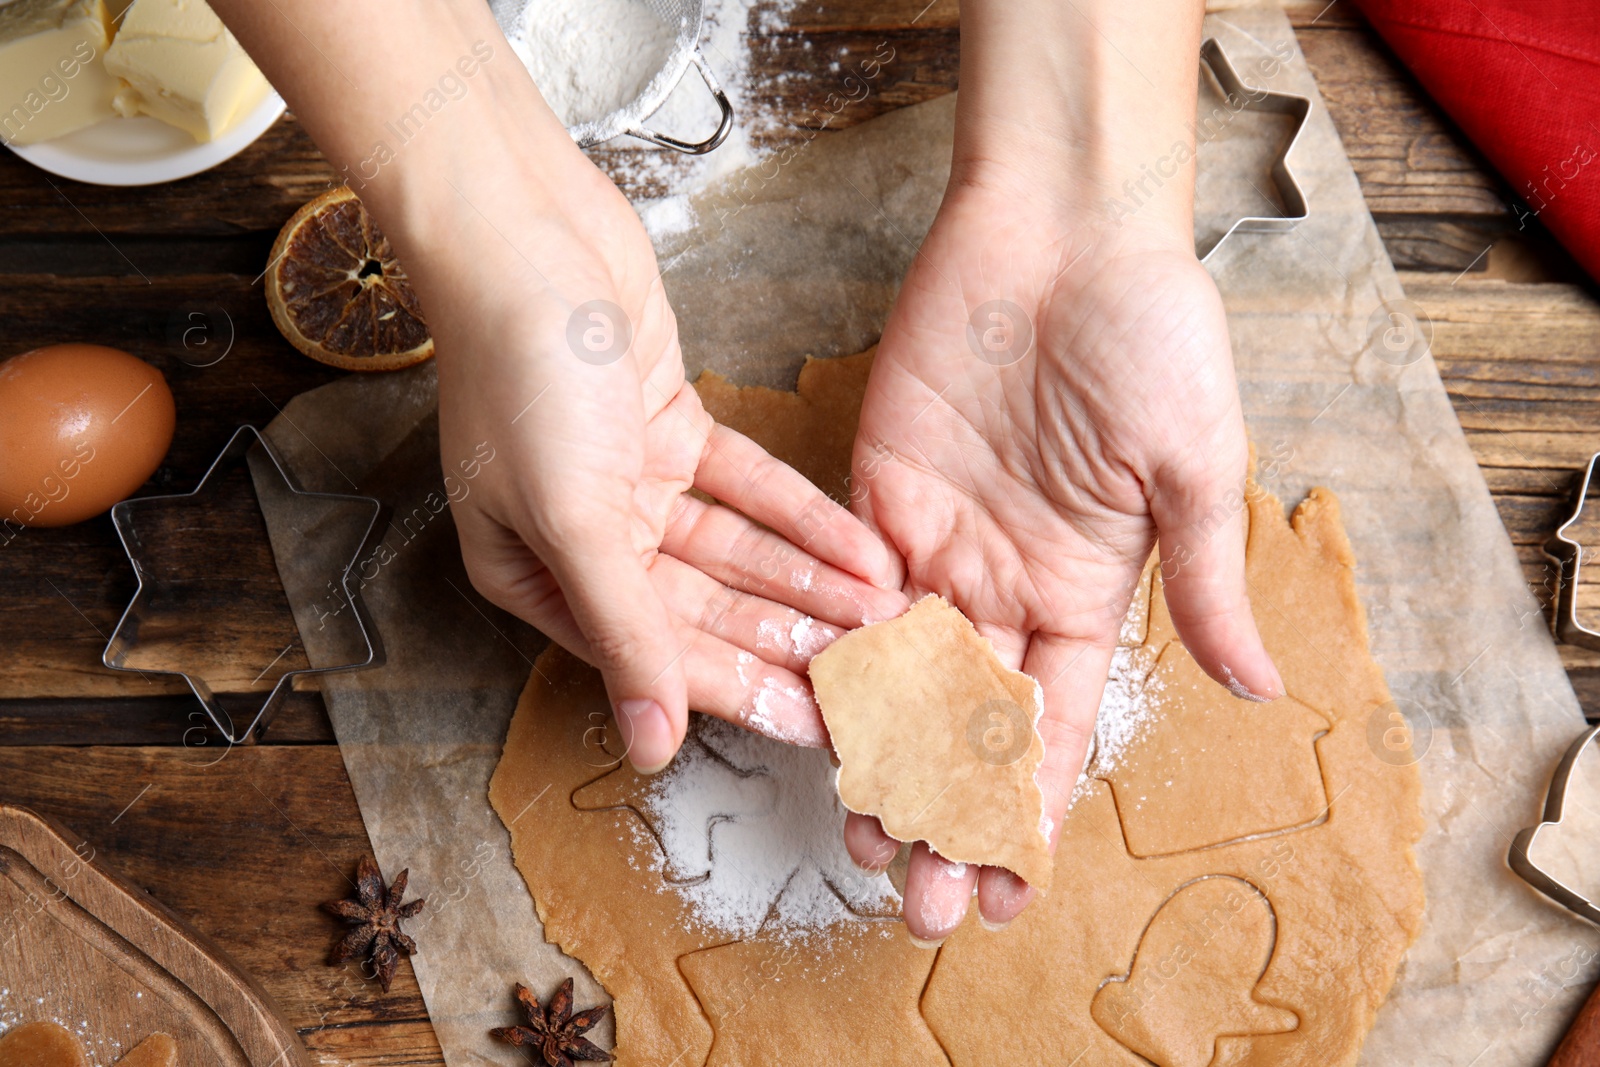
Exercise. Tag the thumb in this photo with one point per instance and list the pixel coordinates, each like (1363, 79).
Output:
(1200, 526)
(631, 637)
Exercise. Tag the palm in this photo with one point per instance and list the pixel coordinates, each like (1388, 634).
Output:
(1025, 482)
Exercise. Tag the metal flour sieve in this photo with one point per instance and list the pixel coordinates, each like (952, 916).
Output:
(687, 16)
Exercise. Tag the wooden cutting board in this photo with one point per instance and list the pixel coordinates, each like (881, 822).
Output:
(83, 948)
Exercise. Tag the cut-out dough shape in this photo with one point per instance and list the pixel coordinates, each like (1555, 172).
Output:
(1347, 892)
(1193, 976)
(157, 1050)
(49, 1044)
(41, 1044)
(938, 739)
(1251, 768)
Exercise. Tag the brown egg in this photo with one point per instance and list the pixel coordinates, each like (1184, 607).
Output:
(81, 427)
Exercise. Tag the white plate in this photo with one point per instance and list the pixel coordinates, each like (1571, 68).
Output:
(143, 150)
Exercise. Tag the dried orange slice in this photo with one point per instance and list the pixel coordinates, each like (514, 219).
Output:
(338, 293)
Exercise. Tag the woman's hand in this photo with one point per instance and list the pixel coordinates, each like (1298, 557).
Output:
(557, 347)
(1041, 409)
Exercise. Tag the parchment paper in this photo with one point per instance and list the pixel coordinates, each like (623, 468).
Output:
(804, 254)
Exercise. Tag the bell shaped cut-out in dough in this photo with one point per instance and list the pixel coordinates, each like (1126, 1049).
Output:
(1193, 977)
(1219, 769)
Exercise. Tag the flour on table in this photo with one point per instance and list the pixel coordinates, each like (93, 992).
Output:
(751, 835)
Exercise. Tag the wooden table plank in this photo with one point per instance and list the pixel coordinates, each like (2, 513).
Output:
(176, 719)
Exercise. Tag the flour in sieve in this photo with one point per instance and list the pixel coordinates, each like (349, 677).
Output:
(751, 830)
(588, 57)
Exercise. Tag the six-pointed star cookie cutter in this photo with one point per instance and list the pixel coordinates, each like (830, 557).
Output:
(126, 636)
(1554, 804)
(1253, 98)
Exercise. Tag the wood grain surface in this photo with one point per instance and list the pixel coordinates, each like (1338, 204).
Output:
(244, 843)
(94, 949)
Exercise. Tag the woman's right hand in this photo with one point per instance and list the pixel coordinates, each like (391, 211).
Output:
(558, 354)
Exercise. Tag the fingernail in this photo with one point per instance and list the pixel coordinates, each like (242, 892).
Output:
(920, 943)
(647, 734)
(993, 927)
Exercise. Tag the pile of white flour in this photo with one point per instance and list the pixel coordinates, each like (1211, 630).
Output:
(590, 57)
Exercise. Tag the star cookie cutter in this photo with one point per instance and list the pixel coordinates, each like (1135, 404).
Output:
(142, 610)
(1567, 553)
(1555, 801)
(1253, 98)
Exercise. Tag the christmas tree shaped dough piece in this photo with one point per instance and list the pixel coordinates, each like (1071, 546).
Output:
(41, 1044)
(938, 739)
(157, 1050)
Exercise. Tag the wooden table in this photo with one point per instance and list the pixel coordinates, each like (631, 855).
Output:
(247, 845)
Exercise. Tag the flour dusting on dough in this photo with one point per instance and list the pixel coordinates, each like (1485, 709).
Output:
(752, 832)
(1130, 708)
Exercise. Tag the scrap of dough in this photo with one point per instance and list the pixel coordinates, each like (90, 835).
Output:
(41, 1044)
(938, 739)
(157, 1050)
(1192, 979)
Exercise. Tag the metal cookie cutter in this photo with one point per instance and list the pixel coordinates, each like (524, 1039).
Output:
(1557, 891)
(1567, 553)
(1215, 60)
(158, 613)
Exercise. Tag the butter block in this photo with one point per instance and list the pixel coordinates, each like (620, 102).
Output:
(180, 64)
(52, 80)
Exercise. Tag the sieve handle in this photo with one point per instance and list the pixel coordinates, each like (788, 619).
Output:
(694, 148)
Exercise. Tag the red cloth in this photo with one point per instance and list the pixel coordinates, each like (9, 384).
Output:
(1522, 80)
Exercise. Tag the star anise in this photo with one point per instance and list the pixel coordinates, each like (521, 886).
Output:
(375, 913)
(554, 1031)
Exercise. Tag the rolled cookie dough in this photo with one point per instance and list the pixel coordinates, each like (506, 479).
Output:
(1177, 935)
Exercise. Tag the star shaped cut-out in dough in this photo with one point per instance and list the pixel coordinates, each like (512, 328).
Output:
(749, 831)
